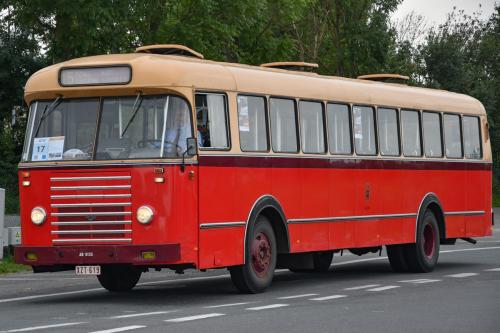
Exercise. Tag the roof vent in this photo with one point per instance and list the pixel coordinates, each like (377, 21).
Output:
(169, 49)
(384, 77)
(291, 65)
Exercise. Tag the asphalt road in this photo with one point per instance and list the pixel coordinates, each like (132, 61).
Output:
(359, 294)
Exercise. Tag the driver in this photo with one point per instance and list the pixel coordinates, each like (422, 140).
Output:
(176, 133)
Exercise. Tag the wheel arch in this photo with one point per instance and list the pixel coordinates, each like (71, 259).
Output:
(431, 202)
(270, 207)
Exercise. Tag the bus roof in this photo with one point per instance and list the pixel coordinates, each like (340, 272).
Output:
(153, 71)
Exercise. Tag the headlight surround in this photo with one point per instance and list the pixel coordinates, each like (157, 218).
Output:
(38, 215)
(145, 214)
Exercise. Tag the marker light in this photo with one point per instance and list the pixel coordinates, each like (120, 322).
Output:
(38, 215)
(145, 214)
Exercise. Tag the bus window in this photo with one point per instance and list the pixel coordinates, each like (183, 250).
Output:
(211, 115)
(339, 129)
(364, 130)
(252, 123)
(411, 133)
(387, 120)
(311, 127)
(432, 134)
(284, 125)
(472, 140)
(452, 136)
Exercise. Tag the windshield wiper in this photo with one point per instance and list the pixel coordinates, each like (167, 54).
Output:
(46, 112)
(135, 109)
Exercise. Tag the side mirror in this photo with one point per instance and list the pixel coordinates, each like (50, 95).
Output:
(191, 147)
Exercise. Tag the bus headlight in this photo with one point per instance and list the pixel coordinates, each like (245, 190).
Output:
(145, 214)
(38, 215)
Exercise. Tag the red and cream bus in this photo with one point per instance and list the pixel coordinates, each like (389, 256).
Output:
(161, 159)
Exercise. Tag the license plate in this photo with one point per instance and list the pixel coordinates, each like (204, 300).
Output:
(88, 270)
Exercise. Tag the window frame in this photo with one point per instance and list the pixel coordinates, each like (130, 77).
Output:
(228, 122)
(398, 127)
(419, 113)
(297, 124)
(327, 122)
(461, 135)
(375, 135)
(441, 134)
(480, 138)
(325, 141)
(266, 119)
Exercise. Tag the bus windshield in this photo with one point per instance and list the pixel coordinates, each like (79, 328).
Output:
(111, 128)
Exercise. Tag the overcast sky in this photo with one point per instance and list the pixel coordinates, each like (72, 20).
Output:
(435, 11)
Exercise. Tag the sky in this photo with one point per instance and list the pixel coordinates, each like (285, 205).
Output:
(435, 11)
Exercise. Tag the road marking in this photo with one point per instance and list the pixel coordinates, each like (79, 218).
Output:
(366, 286)
(141, 314)
(492, 270)
(204, 278)
(203, 316)
(226, 305)
(325, 298)
(383, 288)
(120, 329)
(265, 307)
(462, 275)
(296, 296)
(420, 281)
(35, 328)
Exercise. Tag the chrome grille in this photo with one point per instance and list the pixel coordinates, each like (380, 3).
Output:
(88, 208)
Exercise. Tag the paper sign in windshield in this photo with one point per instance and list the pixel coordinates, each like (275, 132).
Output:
(48, 149)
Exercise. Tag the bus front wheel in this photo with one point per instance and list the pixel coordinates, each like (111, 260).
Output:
(422, 256)
(260, 259)
(119, 277)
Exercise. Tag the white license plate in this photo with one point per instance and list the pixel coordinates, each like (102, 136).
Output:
(88, 270)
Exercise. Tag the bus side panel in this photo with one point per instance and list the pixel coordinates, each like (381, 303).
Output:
(452, 199)
(478, 195)
(219, 247)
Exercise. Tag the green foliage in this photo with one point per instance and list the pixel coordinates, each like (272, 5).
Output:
(7, 265)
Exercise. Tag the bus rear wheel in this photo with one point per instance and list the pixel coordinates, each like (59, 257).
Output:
(119, 278)
(260, 259)
(396, 255)
(422, 256)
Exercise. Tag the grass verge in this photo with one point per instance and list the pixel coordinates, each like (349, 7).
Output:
(7, 265)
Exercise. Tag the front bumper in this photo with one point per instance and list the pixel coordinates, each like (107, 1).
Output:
(96, 254)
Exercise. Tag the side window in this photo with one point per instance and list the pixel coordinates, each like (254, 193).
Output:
(312, 134)
(432, 134)
(452, 137)
(339, 129)
(387, 121)
(364, 130)
(472, 138)
(252, 123)
(284, 125)
(411, 133)
(212, 120)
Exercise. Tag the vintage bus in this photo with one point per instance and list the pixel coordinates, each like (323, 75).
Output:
(162, 159)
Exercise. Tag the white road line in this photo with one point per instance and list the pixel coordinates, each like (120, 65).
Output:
(203, 316)
(120, 329)
(226, 305)
(204, 278)
(383, 288)
(265, 307)
(296, 296)
(492, 270)
(462, 275)
(35, 328)
(366, 286)
(325, 298)
(419, 281)
(141, 314)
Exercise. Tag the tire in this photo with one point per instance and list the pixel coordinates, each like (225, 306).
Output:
(397, 259)
(260, 259)
(321, 263)
(119, 278)
(422, 256)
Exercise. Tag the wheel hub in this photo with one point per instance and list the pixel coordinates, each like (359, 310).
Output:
(261, 254)
(429, 241)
